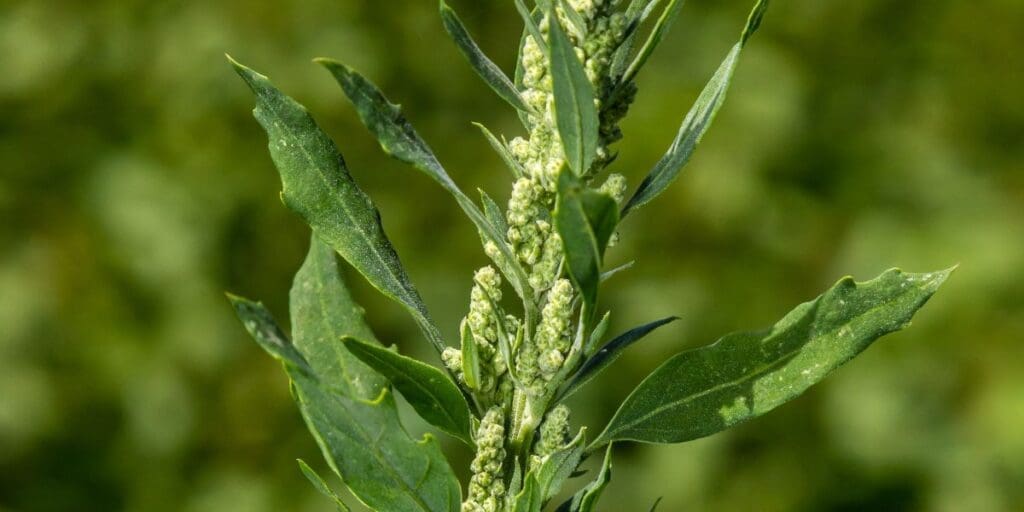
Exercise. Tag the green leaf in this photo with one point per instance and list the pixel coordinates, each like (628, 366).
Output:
(586, 499)
(585, 220)
(366, 445)
(575, 113)
(322, 311)
(661, 28)
(637, 13)
(470, 356)
(744, 375)
(528, 499)
(263, 328)
(317, 185)
(363, 441)
(399, 139)
(320, 485)
(574, 17)
(502, 149)
(485, 67)
(609, 354)
(556, 468)
(531, 24)
(597, 334)
(656, 503)
(696, 122)
(428, 390)
(493, 212)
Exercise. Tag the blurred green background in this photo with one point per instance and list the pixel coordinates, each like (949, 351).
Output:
(135, 187)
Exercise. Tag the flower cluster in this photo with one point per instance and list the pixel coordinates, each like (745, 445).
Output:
(486, 488)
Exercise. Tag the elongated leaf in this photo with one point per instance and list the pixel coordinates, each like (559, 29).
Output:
(317, 185)
(637, 13)
(363, 441)
(609, 354)
(586, 499)
(367, 446)
(428, 390)
(575, 112)
(597, 334)
(264, 330)
(502, 149)
(485, 67)
(696, 122)
(661, 28)
(322, 311)
(655, 505)
(744, 375)
(528, 499)
(556, 468)
(318, 483)
(493, 212)
(470, 356)
(585, 220)
(531, 24)
(399, 139)
(575, 18)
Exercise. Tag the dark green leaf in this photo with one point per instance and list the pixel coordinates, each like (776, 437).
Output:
(696, 122)
(399, 139)
(320, 485)
(608, 354)
(502, 149)
(483, 66)
(585, 220)
(575, 112)
(428, 390)
(263, 328)
(366, 445)
(363, 441)
(317, 185)
(322, 311)
(586, 499)
(744, 375)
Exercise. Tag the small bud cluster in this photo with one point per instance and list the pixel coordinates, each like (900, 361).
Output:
(486, 487)
(554, 432)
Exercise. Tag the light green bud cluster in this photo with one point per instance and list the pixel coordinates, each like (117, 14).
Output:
(552, 338)
(486, 487)
(554, 432)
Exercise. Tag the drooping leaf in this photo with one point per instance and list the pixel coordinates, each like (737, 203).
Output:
(502, 149)
(363, 442)
(319, 484)
(485, 67)
(608, 354)
(696, 122)
(586, 499)
(744, 375)
(399, 139)
(428, 390)
(317, 185)
(322, 311)
(585, 220)
(264, 330)
(575, 113)
(470, 356)
(366, 444)
(661, 28)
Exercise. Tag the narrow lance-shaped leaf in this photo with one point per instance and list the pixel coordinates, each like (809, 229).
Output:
(502, 149)
(585, 220)
(428, 390)
(556, 468)
(696, 122)
(320, 485)
(661, 28)
(485, 67)
(575, 113)
(317, 185)
(586, 499)
(399, 139)
(264, 330)
(637, 13)
(363, 441)
(322, 311)
(531, 24)
(744, 375)
(470, 356)
(609, 354)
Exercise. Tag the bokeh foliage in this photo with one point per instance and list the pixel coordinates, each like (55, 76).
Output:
(858, 135)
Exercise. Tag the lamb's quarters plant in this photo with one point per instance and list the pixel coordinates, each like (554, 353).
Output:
(501, 386)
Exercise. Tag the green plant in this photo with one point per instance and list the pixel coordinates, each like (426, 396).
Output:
(501, 391)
